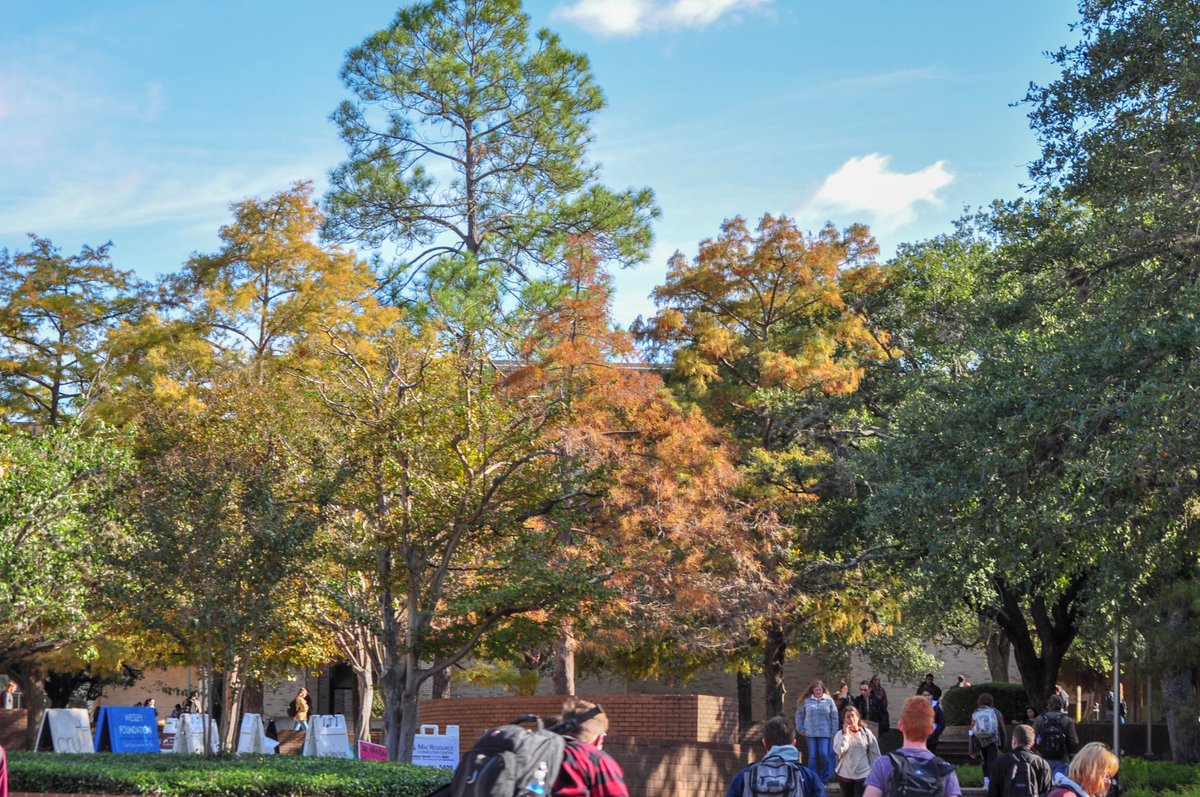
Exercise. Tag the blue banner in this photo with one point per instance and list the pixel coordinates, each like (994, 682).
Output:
(127, 730)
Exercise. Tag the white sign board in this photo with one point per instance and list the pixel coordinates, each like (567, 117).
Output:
(190, 737)
(432, 749)
(65, 730)
(327, 736)
(253, 736)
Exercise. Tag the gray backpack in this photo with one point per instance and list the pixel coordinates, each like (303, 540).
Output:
(773, 776)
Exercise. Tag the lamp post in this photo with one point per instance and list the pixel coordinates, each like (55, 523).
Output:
(1116, 709)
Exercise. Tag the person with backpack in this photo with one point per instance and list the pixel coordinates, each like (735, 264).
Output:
(1092, 772)
(298, 710)
(1020, 772)
(856, 749)
(986, 734)
(1056, 736)
(913, 771)
(817, 721)
(587, 771)
(779, 773)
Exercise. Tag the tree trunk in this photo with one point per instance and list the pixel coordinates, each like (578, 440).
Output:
(1181, 705)
(1038, 660)
(231, 700)
(365, 680)
(392, 683)
(998, 650)
(774, 655)
(564, 660)
(745, 698)
(441, 683)
(410, 706)
(33, 677)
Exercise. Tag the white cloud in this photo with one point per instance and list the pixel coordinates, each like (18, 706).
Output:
(144, 197)
(631, 17)
(868, 186)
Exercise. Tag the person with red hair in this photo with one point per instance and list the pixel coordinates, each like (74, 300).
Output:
(913, 766)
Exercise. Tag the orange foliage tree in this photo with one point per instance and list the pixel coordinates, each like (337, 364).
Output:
(654, 502)
(765, 331)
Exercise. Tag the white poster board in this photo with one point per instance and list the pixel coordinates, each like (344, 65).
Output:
(327, 736)
(190, 737)
(65, 730)
(433, 749)
(253, 736)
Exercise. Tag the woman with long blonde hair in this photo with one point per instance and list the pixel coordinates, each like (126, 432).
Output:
(856, 749)
(1091, 774)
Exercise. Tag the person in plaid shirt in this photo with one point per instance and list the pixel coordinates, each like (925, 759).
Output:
(588, 771)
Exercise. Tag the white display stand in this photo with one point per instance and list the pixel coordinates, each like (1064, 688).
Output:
(327, 736)
(169, 730)
(253, 737)
(433, 749)
(65, 730)
(190, 737)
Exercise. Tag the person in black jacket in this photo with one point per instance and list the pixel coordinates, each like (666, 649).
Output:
(1020, 772)
(1056, 744)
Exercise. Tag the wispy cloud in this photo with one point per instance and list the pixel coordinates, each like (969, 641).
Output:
(144, 197)
(633, 17)
(868, 187)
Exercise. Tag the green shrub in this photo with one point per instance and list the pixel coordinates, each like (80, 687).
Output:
(1158, 777)
(958, 703)
(224, 776)
(1139, 778)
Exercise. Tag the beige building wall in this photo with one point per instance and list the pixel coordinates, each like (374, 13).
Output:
(168, 686)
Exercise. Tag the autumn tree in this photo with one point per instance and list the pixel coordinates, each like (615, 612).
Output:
(467, 140)
(58, 319)
(452, 477)
(653, 499)
(762, 328)
(220, 502)
(271, 285)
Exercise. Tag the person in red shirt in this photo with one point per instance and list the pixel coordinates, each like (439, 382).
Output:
(588, 771)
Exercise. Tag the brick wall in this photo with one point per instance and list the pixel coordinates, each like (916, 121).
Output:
(688, 718)
(661, 768)
(668, 745)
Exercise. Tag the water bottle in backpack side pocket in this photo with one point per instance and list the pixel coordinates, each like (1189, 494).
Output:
(537, 785)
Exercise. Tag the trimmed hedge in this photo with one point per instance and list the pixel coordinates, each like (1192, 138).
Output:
(222, 776)
(958, 703)
(1139, 778)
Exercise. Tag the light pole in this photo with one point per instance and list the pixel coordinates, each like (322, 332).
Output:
(1116, 709)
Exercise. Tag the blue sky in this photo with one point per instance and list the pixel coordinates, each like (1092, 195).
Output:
(140, 121)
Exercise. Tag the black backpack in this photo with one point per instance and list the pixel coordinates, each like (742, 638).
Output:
(291, 712)
(1052, 742)
(924, 778)
(511, 761)
(1020, 780)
